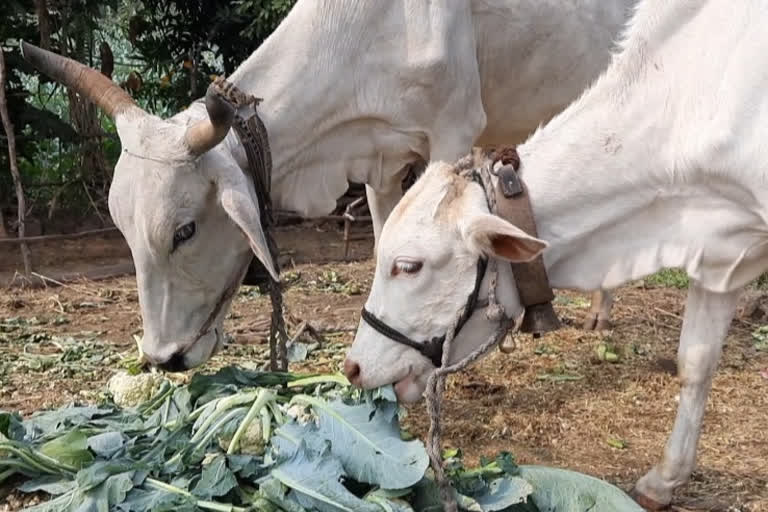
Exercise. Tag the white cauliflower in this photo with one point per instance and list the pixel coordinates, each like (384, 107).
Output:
(131, 390)
(251, 442)
(301, 413)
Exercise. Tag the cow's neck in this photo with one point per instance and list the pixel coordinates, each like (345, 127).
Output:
(612, 197)
(320, 136)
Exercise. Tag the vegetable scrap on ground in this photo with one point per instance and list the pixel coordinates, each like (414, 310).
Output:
(241, 440)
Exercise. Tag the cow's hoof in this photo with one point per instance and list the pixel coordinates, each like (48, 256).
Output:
(590, 322)
(646, 502)
(604, 325)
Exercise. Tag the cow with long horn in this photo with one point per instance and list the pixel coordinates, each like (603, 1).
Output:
(354, 92)
(183, 292)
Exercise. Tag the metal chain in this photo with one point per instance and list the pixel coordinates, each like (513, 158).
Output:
(436, 382)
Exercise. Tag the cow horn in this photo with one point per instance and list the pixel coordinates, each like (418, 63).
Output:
(206, 134)
(85, 81)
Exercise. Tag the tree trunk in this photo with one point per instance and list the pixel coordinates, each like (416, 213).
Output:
(84, 117)
(3, 232)
(8, 126)
(43, 24)
(107, 60)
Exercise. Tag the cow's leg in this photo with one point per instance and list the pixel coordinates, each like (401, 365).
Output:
(705, 325)
(599, 316)
(381, 202)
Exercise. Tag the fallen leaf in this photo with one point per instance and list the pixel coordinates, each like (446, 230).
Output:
(616, 443)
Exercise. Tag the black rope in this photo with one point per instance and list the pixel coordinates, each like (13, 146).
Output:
(433, 348)
(255, 141)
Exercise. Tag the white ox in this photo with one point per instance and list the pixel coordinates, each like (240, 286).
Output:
(353, 91)
(663, 162)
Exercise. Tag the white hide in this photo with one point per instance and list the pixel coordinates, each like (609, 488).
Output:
(353, 91)
(662, 163)
(388, 81)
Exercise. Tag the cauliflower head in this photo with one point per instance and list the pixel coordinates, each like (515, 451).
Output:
(131, 390)
(251, 442)
(301, 413)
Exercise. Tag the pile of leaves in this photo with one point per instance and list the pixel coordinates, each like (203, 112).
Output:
(241, 440)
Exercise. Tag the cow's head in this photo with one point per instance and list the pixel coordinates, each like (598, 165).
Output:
(185, 207)
(425, 269)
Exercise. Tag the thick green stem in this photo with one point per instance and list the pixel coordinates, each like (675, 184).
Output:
(166, 390)
(276, 412)
(336, 378)
(137, 340)
(281, 433)
(266, 424)
(206, 505)
(481, 471)
(7, 473)
(383, 503)
(307, 400)
(217, 427)
(166, 411)
(223, 405)
(205, 437)
(37, 460)
(200, 410)
(262, 399)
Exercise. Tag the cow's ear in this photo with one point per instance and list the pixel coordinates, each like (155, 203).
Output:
(242, 207)
(491, 235)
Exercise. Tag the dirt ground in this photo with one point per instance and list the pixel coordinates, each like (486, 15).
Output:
(552, 402)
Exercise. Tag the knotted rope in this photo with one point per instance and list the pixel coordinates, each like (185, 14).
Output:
(253, 136)
(436, 382)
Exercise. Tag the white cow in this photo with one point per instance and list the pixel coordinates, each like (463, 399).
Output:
(663, 162)
(353, 91)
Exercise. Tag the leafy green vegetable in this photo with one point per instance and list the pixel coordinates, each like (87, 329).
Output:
(391, 505)
(107, 494)
(106, 444)
(321, 446)
(557, 490)
(274, 491)
(159, 500)
(368, 444)
(61, 420)
(246, 466)
(315, 481)
(503, 493)
(216, 479)
(11, 426)
(64, 503)
(52, 484)
(70, 449)
(204, 388)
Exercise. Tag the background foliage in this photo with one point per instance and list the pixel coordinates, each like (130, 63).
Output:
(163, 52)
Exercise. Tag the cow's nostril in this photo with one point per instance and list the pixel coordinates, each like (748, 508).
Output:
(174, 364)
(352, 371)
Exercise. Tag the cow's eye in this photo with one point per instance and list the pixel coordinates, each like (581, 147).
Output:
(183, 234)
(407, 266)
